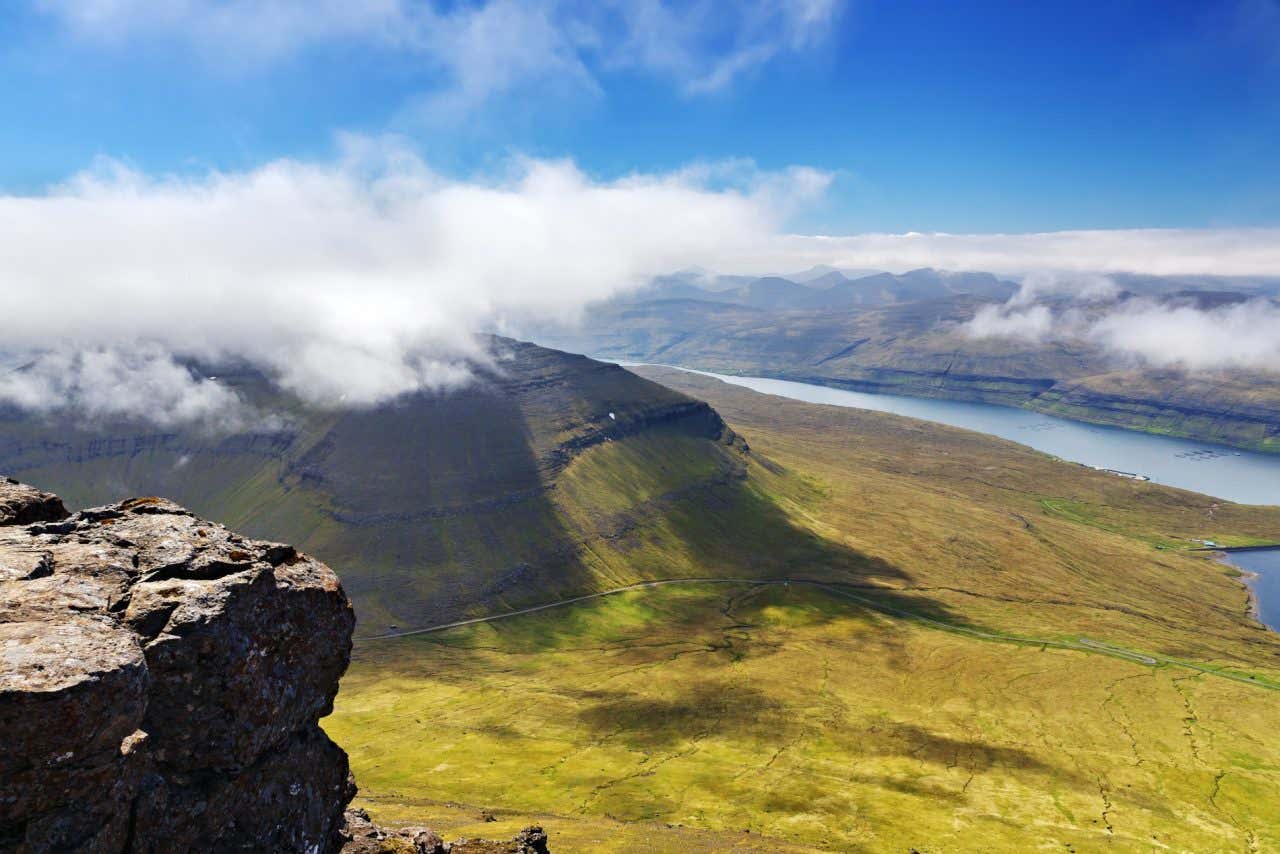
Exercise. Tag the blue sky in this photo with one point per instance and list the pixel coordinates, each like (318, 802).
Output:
(932, 116)
(342, 191)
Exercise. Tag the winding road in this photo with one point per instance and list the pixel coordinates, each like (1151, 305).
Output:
(1083, 644)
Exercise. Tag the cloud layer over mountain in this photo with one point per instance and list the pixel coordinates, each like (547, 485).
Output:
(1157, 251)
(1164, 333)
(360, 278)
(352, 280)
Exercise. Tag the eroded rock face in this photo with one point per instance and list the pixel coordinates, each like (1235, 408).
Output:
(160, 682)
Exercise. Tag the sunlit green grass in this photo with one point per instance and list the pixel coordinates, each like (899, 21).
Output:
(812, 721)
(797, 716)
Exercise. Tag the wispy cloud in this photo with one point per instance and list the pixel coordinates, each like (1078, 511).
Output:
(705, 50)
(236, 30)
(479, 51)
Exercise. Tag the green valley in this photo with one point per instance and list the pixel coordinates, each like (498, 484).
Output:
(784, 713)
(892, 708)
(884, 633)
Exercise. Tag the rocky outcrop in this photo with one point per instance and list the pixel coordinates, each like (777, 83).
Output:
(21, 504)
(161, 679)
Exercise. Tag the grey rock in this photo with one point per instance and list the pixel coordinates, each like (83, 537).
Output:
(161, 679)
(21, 504)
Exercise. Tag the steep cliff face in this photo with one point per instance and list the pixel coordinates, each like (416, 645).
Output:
(161, 681)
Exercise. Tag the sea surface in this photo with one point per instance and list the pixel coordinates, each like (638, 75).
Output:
(1245, 477)
(1264, 564)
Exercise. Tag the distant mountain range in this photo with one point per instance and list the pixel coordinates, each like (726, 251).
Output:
(824, 288)
(905, 334)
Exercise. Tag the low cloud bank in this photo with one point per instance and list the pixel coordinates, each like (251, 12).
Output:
(1245, 335)
(108, 382)
(350, 281)
(1166, 333)
(354, 280)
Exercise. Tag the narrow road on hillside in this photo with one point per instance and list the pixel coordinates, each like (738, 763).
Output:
(1083, 644)
(561, 602)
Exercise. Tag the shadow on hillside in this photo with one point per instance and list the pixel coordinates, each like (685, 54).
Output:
(446, 511)
(437, 507)
(724, 526)
(442, 508)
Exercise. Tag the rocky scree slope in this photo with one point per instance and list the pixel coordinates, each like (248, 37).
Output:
(161, 679)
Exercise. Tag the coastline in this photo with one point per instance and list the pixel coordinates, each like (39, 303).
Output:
(1019, 399)
(1247, 578)
(1233, 549)
(1240, 476)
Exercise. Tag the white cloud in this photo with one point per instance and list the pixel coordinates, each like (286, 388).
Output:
(356, 279)
(363, 277)
(1032, 324)
(1024, 317)
(482, 50)
(1081, 287)
(1245, 335)
(1169, 332)
(116, 381)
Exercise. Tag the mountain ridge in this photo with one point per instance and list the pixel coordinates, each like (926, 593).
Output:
(554, 475)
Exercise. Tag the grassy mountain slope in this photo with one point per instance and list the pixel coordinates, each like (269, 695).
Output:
(784, 713)
(919, 348)
(903, 705)
(816, 723)
(1005, 537)
(552, 476)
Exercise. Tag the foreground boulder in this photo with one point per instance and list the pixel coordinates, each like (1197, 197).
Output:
(161, 679)
(21, 504)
